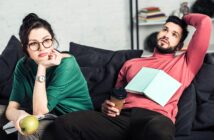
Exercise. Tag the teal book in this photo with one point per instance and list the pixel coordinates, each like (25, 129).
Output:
(155, 84)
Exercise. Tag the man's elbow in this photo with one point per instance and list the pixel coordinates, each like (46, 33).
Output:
(206, 20)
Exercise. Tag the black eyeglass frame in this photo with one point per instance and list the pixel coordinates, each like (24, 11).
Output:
(39, 43)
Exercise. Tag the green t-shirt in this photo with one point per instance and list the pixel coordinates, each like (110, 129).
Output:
(66, 87)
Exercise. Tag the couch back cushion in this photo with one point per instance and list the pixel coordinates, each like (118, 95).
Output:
(100, 68)
(204, 83)
(11, 54)
(197, 102)
(186, 111)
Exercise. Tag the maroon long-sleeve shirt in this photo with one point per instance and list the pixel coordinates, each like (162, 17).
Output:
(182, 67)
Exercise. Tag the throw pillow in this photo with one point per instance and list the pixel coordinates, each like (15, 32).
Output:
(100, 68)
(8, 59)
(203, 7)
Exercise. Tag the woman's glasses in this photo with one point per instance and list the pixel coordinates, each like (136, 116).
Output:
(35, 46)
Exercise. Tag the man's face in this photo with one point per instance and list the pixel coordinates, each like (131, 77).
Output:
(169, 37)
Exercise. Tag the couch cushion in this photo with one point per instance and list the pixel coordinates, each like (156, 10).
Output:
(198, 135)
(2, 115)
(192, 114)
(186, 111)
(3, 121)
(8, 59)
(100, 68)
(205, 95)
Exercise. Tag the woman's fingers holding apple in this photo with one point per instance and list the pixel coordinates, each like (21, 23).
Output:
(17, 123)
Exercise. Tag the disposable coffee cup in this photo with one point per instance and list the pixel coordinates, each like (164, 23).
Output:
(118, 96)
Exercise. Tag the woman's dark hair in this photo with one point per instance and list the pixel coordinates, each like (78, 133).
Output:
(182, 24)
(30, 22)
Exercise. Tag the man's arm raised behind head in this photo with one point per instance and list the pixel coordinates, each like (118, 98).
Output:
(200, 40)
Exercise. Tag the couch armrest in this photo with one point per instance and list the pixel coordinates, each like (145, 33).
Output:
(2, 115)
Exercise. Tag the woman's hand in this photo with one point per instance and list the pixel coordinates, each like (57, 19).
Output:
(54, 59)
(22, 114)
(109, 109)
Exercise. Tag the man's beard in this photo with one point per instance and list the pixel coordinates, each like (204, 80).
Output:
(165, 50)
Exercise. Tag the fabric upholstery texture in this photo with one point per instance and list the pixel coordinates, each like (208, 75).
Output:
(197, 102)
(8, 59)
(186, 112)
(205, 95)
(11, 54)
(100, 68)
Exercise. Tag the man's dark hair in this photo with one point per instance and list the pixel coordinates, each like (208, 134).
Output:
(182, 24)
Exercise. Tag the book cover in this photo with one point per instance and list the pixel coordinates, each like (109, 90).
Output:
(149, 14)
(155, 84)
(150, 9)
(154, 16)
(156, 19)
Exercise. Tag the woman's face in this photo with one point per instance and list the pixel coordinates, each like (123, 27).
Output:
(40, 44)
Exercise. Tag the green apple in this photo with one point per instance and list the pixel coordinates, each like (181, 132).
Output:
(29, 124)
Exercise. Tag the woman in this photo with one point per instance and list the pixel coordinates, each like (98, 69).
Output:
(45, 80)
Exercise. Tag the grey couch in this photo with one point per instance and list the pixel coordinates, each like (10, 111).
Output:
(100, 68)
(194, 120)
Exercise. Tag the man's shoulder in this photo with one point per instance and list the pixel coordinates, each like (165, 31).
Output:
(134, 60)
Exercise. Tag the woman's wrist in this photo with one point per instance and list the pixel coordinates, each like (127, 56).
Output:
(42, 67)
(41, 70)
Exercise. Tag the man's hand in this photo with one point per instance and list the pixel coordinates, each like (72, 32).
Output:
(109, 109)
(53, 59)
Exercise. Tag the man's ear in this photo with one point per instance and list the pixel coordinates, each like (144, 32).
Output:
(179, 47)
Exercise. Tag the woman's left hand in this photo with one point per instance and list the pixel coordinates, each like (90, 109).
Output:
(54, 59)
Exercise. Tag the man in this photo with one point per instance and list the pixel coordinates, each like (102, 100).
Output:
(142, 118)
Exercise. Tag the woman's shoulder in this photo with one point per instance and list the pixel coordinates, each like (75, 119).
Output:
(68, 61)
(23, 65)
(68, 58)
(67, 66)
(21, 62)
(66, 54)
